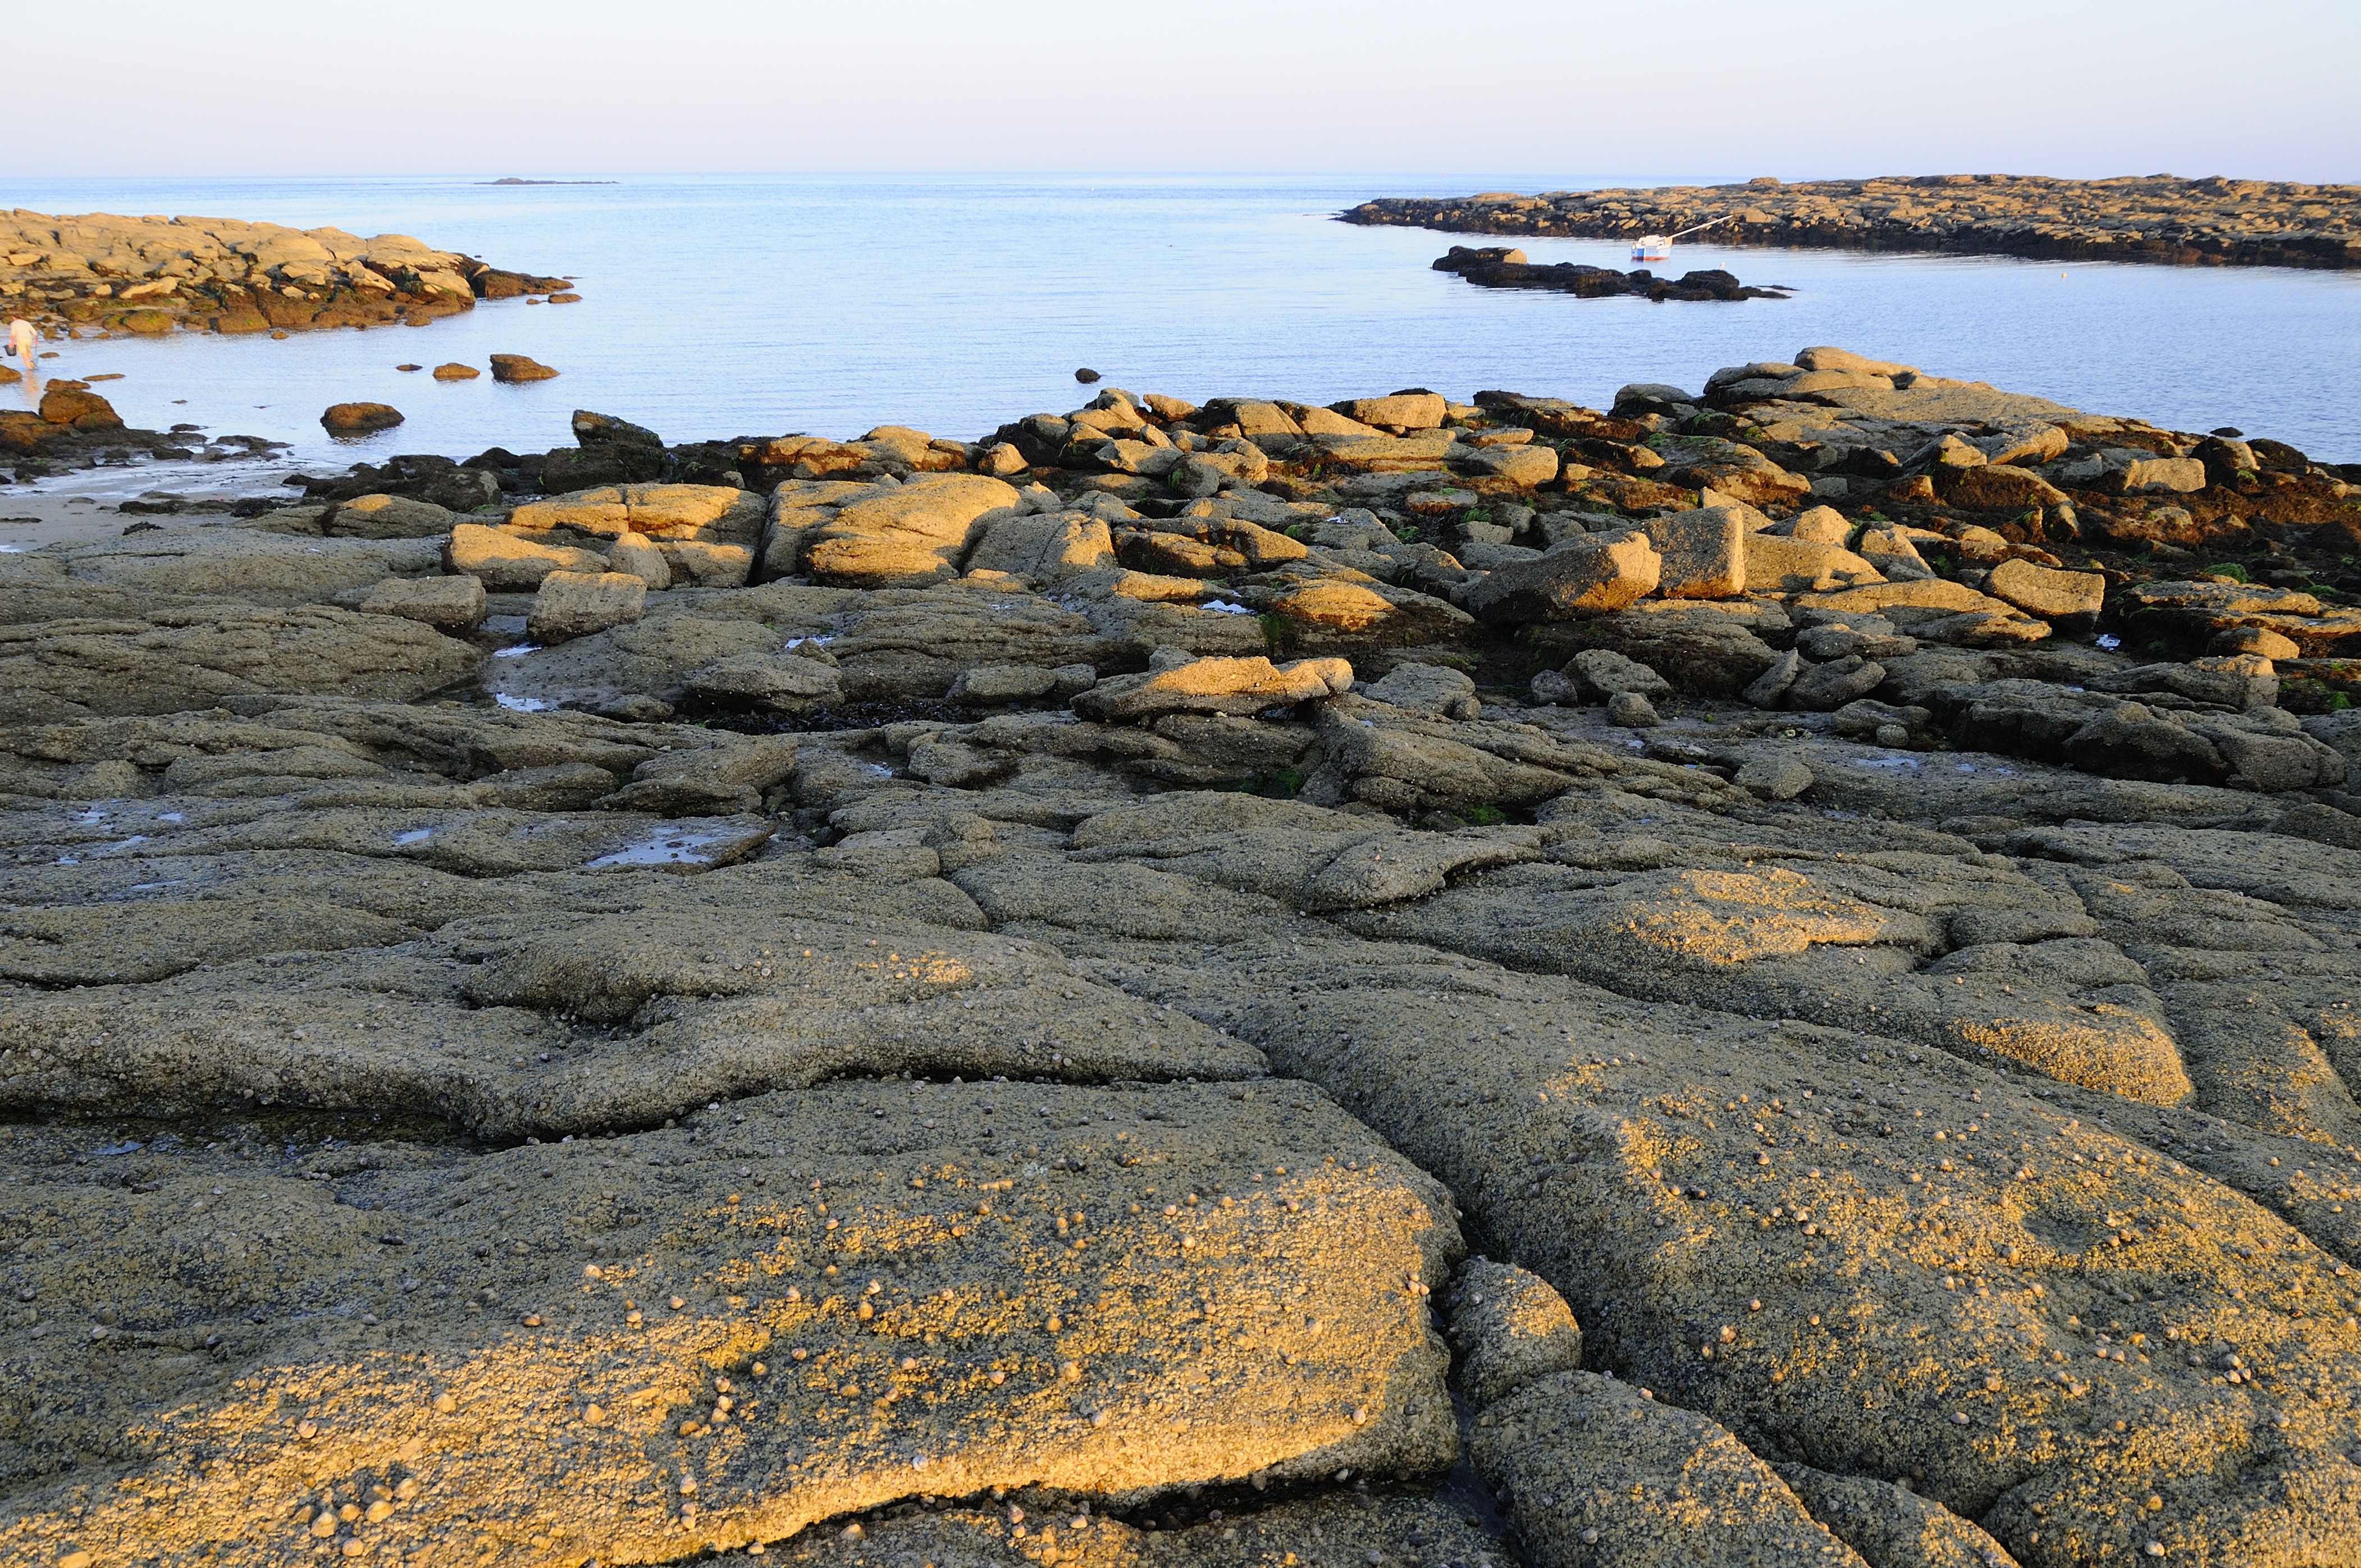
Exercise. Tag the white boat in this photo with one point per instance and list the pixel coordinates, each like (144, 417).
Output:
(1659, 247)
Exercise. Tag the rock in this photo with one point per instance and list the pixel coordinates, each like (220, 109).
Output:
(2168, 475)
(387, 516)
(1433, 689)
(1214, 686)
(2132, 741)
(632, 554)
(779, 682)
(155, 569)
(1339, 1528)
(1824, 688)
(1556, 686)
(900, 536)
(1608, 672)
(1774, 778)
(2050, 594)
(1086, 376)
(1599, 1473)
(2000, 488)
(1769, 688)
(708, 781)
(1703, 551)
(1402, 410)
(1820, 525)
(1712, 651)
(1738, 472)
(507, 563)
(1591, 574)
(73, 403)
(554, 1349)
(456, 372)
(1511, 1329)
(1632, 711)
(178, 661)
(447, 604)
(592, 429)
(1891, 1526)
(1831, 358)
(1005, 683)
(1523, 467)
(2260, 641)
(359, 418)
(1792, 565)
(515, 368)
(1894, 552)
(575, 604)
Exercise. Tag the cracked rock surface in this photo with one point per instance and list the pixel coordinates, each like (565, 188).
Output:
(987, 1022)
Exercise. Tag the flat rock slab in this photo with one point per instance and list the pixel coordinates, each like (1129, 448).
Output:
(440, 992)
(1600, 1472)
(172, 660)
(1976, 1298)
(1391, 1527)
(801, 1307)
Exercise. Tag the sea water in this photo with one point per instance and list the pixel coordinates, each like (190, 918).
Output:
(717, 306)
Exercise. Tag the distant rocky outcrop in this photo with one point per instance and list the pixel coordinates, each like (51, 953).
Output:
(157, 275)
(1503, 268)
(2216, 222)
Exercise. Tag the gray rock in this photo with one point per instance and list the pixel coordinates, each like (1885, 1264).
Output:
(1823, 688)
(1774, 778)
(1511, 1329)
(781, 682)
(1589, 575)
(1632, 711)
(1771, 686)
(449, 604)
(1424, 689)
(1608, 672)
(575, 604)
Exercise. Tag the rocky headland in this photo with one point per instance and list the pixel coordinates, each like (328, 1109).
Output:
(2210, 223)
(154, 274)
(1764, 974)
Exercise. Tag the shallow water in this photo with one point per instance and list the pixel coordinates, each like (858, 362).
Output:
(717, 306)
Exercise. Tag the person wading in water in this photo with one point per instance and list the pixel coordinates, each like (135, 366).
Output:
(24, 341)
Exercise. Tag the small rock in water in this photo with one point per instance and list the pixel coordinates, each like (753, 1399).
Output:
(1086, 376)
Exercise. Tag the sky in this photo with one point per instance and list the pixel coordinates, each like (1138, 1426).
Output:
(1708, 89)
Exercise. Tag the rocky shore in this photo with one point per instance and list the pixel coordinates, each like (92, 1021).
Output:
(2204, 223)
(1765, 975)
(151, 275)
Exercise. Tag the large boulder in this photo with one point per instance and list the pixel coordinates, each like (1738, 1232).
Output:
(1703, 549)
(387, 516)
(1214, 686)
(1042, 548)
(1729, 469)
(1588, 575)
(575, 604)
(887, 536)
(447, 604)
(359, 418)
(173, 661)
(2044, 591)
(706, 533)
(507, 562)
(996, 1345)
(1775, 564)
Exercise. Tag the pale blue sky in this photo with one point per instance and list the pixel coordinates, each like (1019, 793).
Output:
(1703, 88)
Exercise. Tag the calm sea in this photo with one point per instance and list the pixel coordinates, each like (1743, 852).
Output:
(717, 306)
